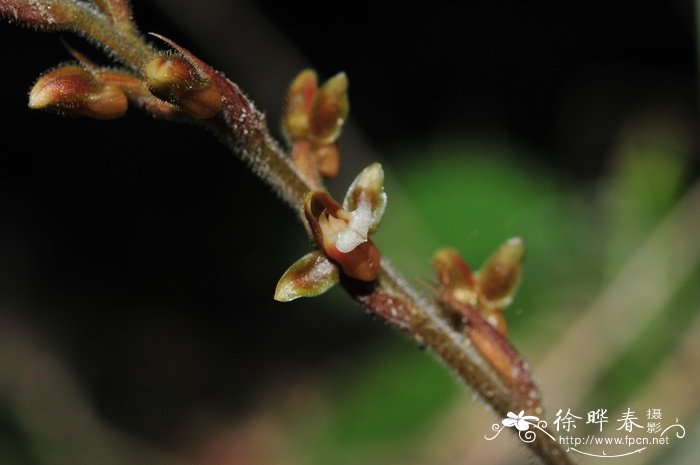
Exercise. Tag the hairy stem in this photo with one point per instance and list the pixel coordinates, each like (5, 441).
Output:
(244, 130)
(390, 296)
(265, 158)
(127, 46)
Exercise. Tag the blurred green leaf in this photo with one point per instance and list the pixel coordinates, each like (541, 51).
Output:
(644, 184)
(394, 394)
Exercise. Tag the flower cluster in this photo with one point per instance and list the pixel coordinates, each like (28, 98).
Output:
(170, 84)
(473, 302)
(488, 290)
(313, 120)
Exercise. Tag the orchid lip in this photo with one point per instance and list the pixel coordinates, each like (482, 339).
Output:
(357, 230)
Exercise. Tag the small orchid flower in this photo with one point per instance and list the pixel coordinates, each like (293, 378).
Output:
(313, 121)
(473, 303)
(488, 290)
(177, 78)
(341, 233)
(521, 421)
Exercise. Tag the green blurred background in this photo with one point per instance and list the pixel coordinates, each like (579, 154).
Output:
(139, 259)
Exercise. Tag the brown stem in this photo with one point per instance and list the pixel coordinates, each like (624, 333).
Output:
(393, 299)
(85, 19)
(244, 129)
(390, 296)
(126, 45)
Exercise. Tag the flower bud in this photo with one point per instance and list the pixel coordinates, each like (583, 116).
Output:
(500, 275)
(459, 287)
(299, 101)
(74, 89)
(176, 80)
(330, 109)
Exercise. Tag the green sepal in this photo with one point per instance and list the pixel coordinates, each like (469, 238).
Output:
(311, 275)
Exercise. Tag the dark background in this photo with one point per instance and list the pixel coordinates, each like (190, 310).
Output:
(147, 255)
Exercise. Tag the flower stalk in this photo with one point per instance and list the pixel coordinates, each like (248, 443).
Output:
(179, 86)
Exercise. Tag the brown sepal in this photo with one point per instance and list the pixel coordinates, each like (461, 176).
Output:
(500, 275)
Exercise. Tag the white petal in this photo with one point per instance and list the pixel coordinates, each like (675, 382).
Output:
(348, 240)
(509, 422)
(372, 180)
(357, 230)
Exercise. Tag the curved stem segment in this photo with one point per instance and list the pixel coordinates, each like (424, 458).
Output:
(393, 299)
(124, 43)
(390, 296)
(244, 129)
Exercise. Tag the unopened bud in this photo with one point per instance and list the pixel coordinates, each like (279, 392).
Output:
(174, 79)
(74, 89)
(330, 109)
(500, 275)
(299, 101)
(167, 73)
